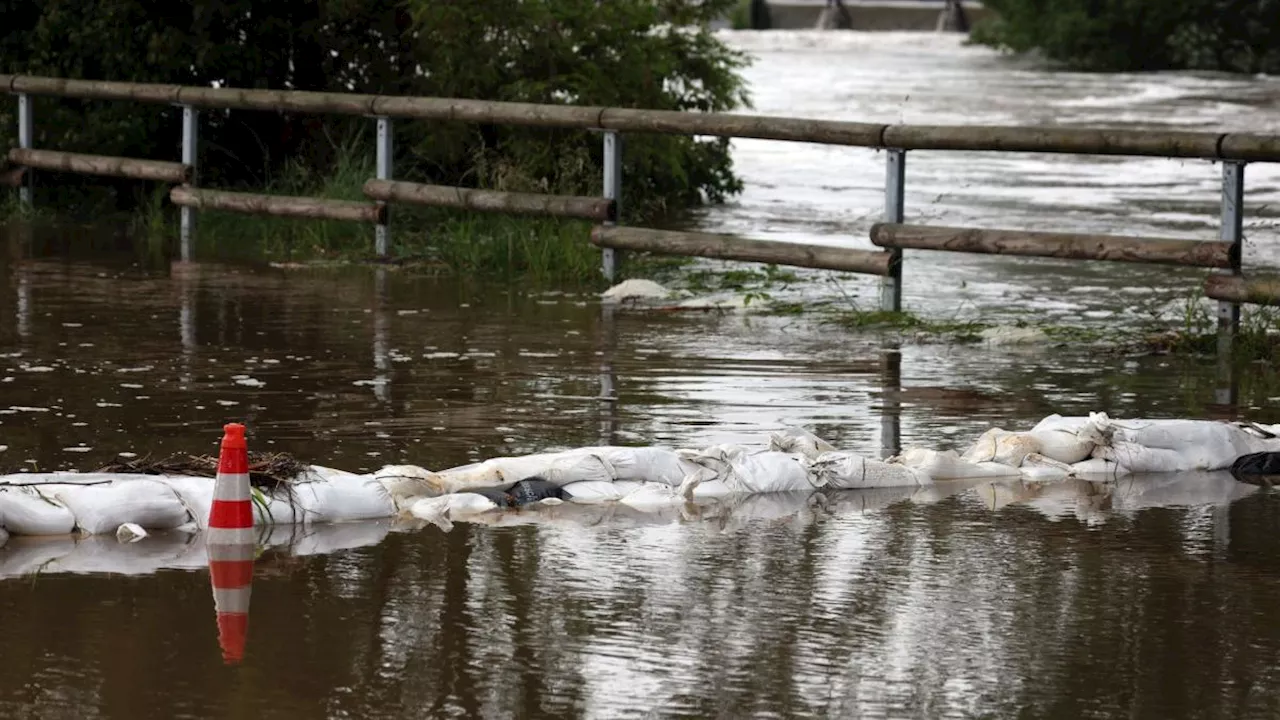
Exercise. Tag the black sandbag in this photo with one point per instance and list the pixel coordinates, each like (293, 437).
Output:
(525, 492)
(534, 489)
(1262, 468)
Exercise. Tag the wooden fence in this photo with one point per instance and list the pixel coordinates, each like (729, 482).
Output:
(1234, 150)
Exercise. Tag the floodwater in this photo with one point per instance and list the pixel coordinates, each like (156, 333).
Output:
(1154, 597)
(825, 194)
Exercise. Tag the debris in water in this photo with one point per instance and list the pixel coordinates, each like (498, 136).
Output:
(130, 532)
(78, 448)
(1012, 335)
(635, 289)
(266, 470)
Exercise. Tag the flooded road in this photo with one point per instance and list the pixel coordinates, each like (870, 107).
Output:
(1147, 598)
(823, 194)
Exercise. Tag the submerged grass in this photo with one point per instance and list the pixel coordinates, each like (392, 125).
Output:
(434, 240)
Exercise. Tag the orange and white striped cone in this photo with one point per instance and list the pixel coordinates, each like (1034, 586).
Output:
(230, 542)
(231, 514)
(231, 572)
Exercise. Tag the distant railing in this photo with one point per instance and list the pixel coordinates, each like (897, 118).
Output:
(1234, 150)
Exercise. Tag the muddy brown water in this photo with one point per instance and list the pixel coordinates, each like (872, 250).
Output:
(1148, 598)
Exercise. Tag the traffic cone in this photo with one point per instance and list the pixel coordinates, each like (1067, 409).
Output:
(231, 514)
(230, 541)
(231, 573)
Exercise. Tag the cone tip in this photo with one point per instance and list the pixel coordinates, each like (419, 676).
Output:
(233, 435)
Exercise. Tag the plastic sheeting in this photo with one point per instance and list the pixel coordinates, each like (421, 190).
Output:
(1057, 449)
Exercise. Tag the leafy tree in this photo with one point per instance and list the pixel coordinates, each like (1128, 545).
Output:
(1230, 35)
(627, 53)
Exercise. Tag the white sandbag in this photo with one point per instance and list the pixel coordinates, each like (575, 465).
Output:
(1099, 469)
(195, 493)
(1001, 446)
(1136, 458)
(33, 510)
(575, 467)
(442, 510)
(559, 468)
(746, 472)
(846, 471)
(650, 496)
(407, 483)
(1202, 444)
(104, 508)
(1038, 468)
(589, 492)
(279, 506)
(711, 490)
(335, 496)
(947, 465)
(646, 464)
(1059, 439)
(799, 441)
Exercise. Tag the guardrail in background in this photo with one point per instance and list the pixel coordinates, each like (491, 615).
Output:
(1234, 150)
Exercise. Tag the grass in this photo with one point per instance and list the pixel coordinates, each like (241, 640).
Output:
(434, 240)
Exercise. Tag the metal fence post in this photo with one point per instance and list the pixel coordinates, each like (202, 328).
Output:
(1232, 232)
(382, 235)
(190, 158)
(25, 137)
(894, 187)
(609, 258)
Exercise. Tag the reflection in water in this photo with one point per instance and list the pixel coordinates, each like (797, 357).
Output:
(891, 403)
(231, 577)
(381, 325)
(608, 393)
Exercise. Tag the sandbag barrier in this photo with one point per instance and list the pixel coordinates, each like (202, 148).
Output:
(644, 479)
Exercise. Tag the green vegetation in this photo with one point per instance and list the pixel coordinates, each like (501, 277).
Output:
(750, 15)
(1191, 331)
(1240, 36)
(623, 53)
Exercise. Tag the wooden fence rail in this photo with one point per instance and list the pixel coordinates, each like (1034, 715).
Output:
(1233, 150)
(1175, 144)
(586, 208)
(100, 165)
(278, 205)
(1068, 246)
(729, 247)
